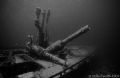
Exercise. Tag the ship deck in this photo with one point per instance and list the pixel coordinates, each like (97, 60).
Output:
(52, 70)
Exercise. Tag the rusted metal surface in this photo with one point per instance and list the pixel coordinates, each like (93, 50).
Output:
(59, 44)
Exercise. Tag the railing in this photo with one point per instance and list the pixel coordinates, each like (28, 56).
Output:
(71, 68)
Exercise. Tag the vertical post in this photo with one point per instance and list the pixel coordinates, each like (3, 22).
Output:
(46, 35)
(42, 17)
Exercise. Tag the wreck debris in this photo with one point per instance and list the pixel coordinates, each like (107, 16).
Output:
(57, 46)
(54, 53)
(43, 53)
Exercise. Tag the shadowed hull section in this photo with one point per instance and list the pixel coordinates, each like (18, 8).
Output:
(10, 71)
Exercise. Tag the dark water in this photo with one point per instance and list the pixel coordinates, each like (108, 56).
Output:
(17, 21)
